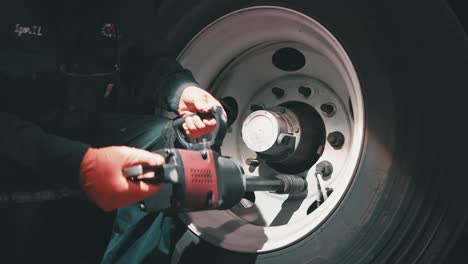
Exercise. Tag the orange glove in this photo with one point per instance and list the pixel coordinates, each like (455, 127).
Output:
(196, 100)
(102, 178)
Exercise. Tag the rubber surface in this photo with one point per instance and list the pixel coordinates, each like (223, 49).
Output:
(406, 202)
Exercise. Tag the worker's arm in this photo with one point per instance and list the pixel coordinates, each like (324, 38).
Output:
(30, 147)
(102, 177)
(166, 81)
(62, 161)
(177, 91)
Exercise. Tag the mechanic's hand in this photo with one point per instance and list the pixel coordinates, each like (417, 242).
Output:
(196, 100)
(101, 176)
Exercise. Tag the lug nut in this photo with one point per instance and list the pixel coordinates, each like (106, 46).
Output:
(278, 92)
(328, 109)
(336, 139)
(256, 107)
(253, 164)
(324, 168)
(305, 91)
(252, 168)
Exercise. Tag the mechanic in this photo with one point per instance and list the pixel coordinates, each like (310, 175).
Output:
(39, 150)
(100, 172)
(100, 169)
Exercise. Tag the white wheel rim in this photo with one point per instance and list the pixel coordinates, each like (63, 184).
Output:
(232, 57)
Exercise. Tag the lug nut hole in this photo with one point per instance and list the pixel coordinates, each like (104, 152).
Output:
(256, 107)
(305, 91)
(328, 109)
(278, 92)
(336, 139)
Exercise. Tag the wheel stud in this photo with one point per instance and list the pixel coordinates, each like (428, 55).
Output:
(256, 107)
(253, 164)
(278, 92)
(336, 139)
(328, 109)
(305, 91)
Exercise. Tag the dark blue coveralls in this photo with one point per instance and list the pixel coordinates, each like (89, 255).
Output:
(140, 237)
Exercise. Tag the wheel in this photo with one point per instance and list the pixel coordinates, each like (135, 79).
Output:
(361, 98)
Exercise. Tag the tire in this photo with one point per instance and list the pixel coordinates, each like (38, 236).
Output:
(405, 203)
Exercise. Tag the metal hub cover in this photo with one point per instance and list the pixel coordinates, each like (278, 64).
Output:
(271, 132)
(260, 130)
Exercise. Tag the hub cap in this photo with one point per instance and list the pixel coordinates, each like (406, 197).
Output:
(261, 130)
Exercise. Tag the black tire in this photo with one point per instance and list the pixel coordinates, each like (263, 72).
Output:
(406, 202)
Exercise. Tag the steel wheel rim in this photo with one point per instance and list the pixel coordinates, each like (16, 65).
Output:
(230, 51)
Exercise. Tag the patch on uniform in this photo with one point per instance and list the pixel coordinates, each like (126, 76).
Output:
(109, 30)
(22, 30)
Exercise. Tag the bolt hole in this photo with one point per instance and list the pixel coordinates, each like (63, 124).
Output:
(288, 59)
(231, 107)
(313, 207)
(248, 200)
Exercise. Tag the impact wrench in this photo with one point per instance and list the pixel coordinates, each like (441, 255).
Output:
(202, 179)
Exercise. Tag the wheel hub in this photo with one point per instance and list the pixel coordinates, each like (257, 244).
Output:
(282, 140)
(271, 133)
